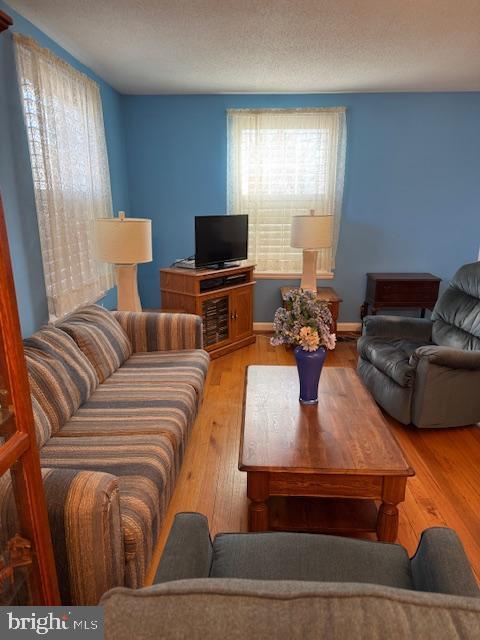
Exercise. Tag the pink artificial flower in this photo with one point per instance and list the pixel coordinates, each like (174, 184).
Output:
(330, 341)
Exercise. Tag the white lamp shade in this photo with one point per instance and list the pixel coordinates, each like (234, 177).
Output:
(123, 241)
(312, 232)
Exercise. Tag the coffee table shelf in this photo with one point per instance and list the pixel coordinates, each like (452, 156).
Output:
(325, 515)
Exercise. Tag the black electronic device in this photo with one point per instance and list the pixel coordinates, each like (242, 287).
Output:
(220, 240)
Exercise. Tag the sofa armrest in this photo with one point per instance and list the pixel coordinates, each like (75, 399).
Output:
(153, 331)
(441, 566)
(188, 551)
(447, 357)
(84, 516)
(398, 327)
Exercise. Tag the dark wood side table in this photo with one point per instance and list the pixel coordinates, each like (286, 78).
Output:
(400, 291)
(326, 294)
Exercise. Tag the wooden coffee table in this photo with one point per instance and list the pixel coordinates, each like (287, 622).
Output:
(340, 450)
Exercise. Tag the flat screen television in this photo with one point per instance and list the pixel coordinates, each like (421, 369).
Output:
(220, 240)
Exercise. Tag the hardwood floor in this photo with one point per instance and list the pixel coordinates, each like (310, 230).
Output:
(444, 492)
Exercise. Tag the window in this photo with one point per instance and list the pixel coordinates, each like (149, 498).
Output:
(282, 163)
(66, 139)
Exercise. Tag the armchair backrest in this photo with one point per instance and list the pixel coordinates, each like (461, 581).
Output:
(456, 316)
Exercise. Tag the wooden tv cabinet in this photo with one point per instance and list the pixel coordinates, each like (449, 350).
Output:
(222, 297)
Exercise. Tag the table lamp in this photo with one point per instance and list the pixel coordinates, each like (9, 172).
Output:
(311, 233)
(124, 242)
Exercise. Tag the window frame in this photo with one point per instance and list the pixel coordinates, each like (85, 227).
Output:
(238, 203)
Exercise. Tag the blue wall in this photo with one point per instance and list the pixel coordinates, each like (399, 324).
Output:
(16, 184)
(412, 189)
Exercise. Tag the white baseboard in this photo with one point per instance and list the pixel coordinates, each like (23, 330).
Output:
(349, 326)
(263, 326)
(341, 326)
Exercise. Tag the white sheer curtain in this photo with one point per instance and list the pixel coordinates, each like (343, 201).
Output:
(282, 163)
(66, 137)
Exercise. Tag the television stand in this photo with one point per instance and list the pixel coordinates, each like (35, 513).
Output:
(222, 297)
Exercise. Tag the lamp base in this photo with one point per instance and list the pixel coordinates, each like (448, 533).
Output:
(309, 274)
(127, 288)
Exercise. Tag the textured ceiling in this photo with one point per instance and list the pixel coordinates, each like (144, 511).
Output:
(220, 46)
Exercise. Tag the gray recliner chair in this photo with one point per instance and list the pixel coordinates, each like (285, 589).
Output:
(427, 372)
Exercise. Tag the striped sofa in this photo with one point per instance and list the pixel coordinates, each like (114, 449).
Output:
(114, 395)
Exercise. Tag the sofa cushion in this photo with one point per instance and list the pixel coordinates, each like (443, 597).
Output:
(187, 366)
(43, 428)
(289, 610)
(391, 357)
(100, 337)
(137, 409)
(145, 469)
(61, 377)
(143, 514)
(304, 556)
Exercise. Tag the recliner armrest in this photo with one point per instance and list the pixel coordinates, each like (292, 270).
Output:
(441, 566)
(188, 552)
(447, 357)
(398, 327)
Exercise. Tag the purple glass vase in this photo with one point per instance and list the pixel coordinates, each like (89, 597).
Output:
(309, 365)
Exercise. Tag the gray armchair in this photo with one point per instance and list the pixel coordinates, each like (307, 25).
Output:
(295, 585)
(438, 566)
(427, 372)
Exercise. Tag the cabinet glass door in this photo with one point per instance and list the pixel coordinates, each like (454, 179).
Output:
(15, 551)
(7, 424)
(215, 320)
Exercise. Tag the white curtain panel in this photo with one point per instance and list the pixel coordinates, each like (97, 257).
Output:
(66, 137)
(282, 163)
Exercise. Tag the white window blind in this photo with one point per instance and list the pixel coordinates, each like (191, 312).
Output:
(282, 163)
(66, 138)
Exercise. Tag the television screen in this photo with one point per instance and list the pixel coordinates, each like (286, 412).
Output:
(220, 239)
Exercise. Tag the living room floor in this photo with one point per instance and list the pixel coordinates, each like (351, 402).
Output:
(444, 492)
